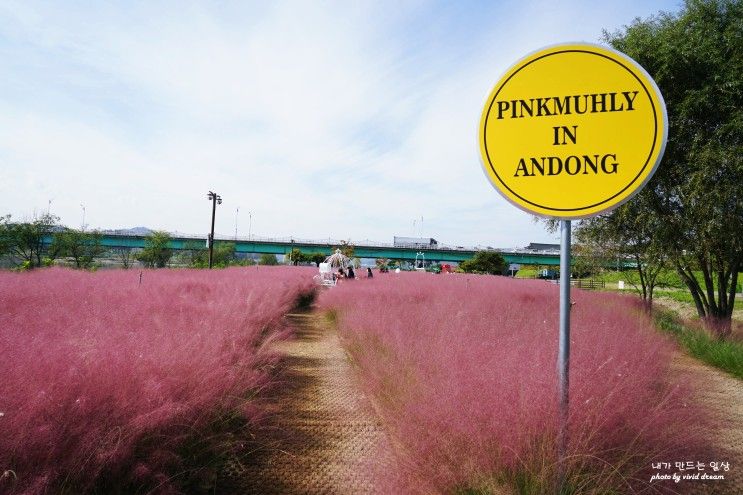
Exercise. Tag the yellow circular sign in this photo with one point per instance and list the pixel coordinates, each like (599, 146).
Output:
(572, 131)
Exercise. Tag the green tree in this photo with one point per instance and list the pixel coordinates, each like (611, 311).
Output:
(316, 258)
(246, 261)
(82, 247)
(586, 260)
(268, 259)
(491, 262)
(5, 237)
(346, 248)
(696, 58)
(224, 254)
(27, 241)
(194, 254)
(156, 253)
(296, 256)
(383, 264)
(629, 234)
(125, 255)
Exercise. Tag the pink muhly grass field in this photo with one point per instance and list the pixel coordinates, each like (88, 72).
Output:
(105, 383)
(462, 369)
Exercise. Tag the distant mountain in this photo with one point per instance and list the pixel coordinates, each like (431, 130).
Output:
(140, 231)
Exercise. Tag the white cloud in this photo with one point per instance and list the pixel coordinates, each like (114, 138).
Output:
(323, 120)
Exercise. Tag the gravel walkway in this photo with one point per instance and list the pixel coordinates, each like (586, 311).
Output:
(327, 440)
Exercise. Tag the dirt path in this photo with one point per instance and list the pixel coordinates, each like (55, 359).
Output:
(327, 440)
(723, 395)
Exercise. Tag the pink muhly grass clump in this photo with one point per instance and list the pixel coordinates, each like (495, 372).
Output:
(462, 370)
(104, 380)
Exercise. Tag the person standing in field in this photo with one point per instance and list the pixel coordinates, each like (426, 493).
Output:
(351, 275)
(369, 273)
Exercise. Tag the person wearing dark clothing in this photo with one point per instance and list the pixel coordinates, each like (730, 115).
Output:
(369, 273)
(351, 275)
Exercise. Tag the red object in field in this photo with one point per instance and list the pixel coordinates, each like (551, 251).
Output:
(445, 268)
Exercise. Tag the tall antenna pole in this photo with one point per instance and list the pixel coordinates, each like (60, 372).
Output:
(237, 210)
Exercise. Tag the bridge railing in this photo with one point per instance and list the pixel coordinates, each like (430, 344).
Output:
(335, 242)
(325, 242)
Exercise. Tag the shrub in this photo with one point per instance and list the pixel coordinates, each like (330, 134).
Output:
(110, 386)
(462, 371)
(156, 253)
(268, 259)
(490, 262)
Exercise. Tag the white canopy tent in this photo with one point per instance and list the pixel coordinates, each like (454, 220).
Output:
(338, 260)
(331, 264)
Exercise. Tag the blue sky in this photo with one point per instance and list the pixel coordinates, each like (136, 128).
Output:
(343, 120)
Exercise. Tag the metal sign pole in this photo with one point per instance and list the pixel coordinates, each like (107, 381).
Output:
(504, 152)
(563, 353)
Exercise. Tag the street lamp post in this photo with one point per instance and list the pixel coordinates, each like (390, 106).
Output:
(83, 207)
(215, 199)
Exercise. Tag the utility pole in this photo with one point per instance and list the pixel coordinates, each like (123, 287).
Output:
(215, 199)
(237, 210)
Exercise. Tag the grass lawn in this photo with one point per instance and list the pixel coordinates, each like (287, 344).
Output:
(726, 355)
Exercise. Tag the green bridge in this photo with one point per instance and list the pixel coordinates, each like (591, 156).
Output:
(361, 250)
